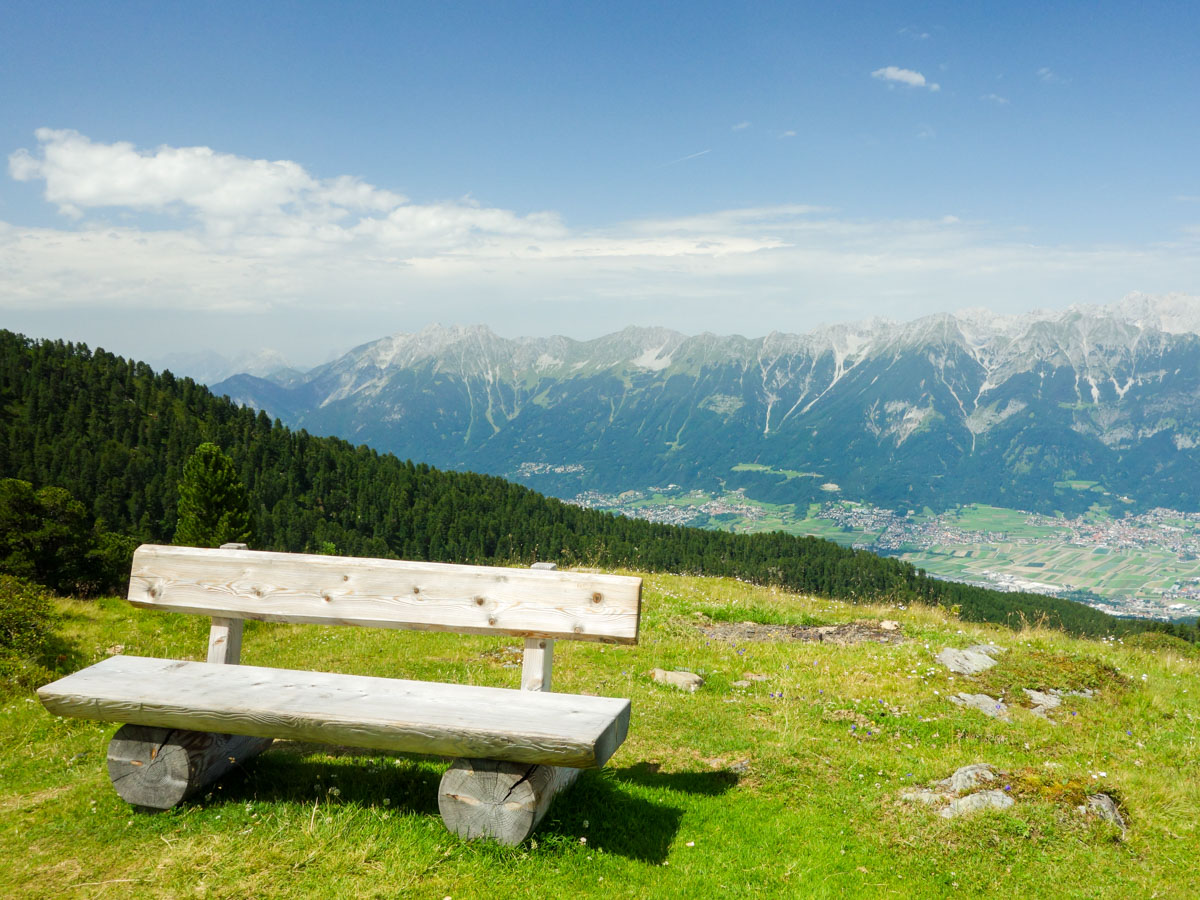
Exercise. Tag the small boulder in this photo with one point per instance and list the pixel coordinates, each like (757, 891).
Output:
(988, 649)
(1103, 806)
(1048, 701)
(889, 625)
(975, 802)
(968, 778)
(1042, 713)
(926, 796)
(965, 662)
(740, 684)
(684, 681)
(989, 706)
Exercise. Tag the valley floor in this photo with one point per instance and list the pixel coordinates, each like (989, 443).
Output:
(1145, 565)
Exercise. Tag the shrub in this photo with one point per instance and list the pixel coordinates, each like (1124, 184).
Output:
(27, 621)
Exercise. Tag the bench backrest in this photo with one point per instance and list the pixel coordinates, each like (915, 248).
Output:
(233, 584)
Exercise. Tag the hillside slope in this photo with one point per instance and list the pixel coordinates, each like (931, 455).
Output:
(785, 775)
(116, 435)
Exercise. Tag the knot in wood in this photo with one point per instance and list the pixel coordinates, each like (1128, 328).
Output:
(578, 629)
(491, 620)
(479, 601)
(597, 597)
(326, 596)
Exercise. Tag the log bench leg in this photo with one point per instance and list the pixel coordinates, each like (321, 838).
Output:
(502, 800)
(159, 767)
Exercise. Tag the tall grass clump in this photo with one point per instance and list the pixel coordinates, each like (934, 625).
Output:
(27, 622)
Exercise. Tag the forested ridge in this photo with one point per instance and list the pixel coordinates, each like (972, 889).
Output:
(116, 435)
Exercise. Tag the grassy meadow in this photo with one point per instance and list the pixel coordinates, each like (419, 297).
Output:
(787, 787)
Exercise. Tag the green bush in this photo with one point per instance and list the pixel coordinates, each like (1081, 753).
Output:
(27, 622)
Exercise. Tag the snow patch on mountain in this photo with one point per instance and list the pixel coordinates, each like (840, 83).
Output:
(653, 358)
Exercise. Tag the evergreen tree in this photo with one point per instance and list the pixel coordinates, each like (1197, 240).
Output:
(213, 506)
(46, 537)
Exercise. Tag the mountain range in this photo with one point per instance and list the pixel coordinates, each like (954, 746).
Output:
(1046, 410)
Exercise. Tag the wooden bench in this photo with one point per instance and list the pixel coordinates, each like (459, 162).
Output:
(188, 723)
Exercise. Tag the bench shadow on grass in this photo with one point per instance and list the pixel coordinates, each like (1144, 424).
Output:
(600, 806)
(300, 772)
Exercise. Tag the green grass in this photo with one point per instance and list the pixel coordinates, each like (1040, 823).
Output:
(787, 788)
(788, 474)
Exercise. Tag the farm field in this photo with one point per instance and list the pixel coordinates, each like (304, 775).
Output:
(1146, 565)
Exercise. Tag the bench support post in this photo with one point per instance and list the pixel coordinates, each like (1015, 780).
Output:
(501, 800)
(157, 768)
(504, 800)
(225, 641)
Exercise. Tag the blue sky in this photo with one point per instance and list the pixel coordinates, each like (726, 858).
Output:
(308, 177)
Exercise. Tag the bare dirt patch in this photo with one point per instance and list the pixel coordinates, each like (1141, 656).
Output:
(850, 633)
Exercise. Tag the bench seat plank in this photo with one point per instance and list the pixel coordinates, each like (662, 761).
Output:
(356, 710)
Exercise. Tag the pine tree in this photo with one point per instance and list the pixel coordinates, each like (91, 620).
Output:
(213, 506)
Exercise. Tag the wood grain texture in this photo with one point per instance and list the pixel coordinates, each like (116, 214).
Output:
(537, 664)
(297, 587)
(501, 800)
(157, 768)
(225, 641)
(380, 713)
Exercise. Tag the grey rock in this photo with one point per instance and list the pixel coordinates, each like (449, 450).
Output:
(968, 778)
(684, 681)
(752, 676)
(1042, 713)
(1047, 700)
(989, 706)
(1105, 807)
(988, 649)
(925, 795)
(740, 684)
(965, 662)
(976, 802)
(889, 625)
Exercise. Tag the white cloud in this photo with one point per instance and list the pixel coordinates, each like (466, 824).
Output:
(896, 75)
(788, 134)
(249, 200)
(308, 255)
(741, 126)
(1046, 74)
(995, 98)
(915, 33)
